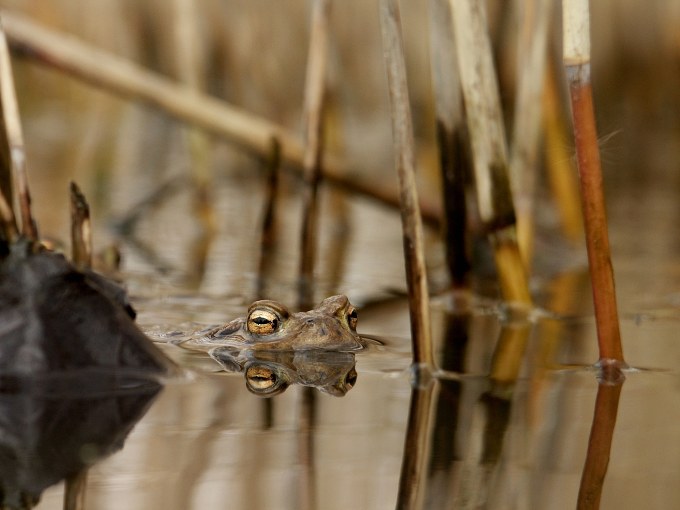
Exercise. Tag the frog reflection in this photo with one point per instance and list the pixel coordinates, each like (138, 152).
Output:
(269, 373)
(269, 326)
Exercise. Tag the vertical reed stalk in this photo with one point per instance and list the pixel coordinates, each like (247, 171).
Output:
(190, 70)
(576, 49)
(15, 139)
(531, 56)
(452, 138)
(268, 231)
(81, 229)
(404, 155)
(561, 174)
(600, 442)
(315, 86)
(489, 151)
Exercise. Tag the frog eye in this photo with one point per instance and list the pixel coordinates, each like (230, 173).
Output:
(263, 322)
(265, 317)
(264, 381)
(352, 317)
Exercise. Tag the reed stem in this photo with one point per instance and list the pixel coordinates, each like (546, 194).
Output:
(313, 149)
(577, 65)
(81, 229)
(404, 156)
(533, 38)
(452, 139)
(559, 166)
(15, 138)
(488, 142)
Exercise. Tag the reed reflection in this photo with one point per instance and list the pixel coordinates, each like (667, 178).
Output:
(601, 434)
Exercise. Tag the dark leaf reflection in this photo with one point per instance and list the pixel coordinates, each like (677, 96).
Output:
(46, 437)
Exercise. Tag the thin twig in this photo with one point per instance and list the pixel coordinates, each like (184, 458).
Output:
(315, 86)
(268, 231)
(15, 138)
(124, 78)
(576, 56)
(81, 229)
(404, 155)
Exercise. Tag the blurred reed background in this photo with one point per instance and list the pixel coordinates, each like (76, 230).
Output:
(253, 54)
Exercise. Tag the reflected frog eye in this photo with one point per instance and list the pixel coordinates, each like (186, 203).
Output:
(352, 318)
(351, 379)
(264, 381)
(261, 378)
(263, 322)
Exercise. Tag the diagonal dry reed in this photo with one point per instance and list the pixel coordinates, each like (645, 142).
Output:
(126, 79)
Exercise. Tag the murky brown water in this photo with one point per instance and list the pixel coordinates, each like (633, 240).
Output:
(496, 442)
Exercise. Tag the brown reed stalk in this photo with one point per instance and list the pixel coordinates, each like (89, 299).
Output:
(600, 441)
(535, 18)
(315, 86)
(126, 79)
(268, 230)
(81, 229)
(190, 70)
(576, 54)
(452, 139)
(489, 151)
(404, 156)
(15, 138)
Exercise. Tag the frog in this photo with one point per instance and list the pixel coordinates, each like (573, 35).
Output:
(270, 326)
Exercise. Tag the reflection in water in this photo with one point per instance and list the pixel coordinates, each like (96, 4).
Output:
(47, 436)
(269, 373)
(600, 442)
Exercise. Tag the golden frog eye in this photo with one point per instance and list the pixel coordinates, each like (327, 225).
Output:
(264, 381)
(261, 378)
(352, 317)
(263, 322)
